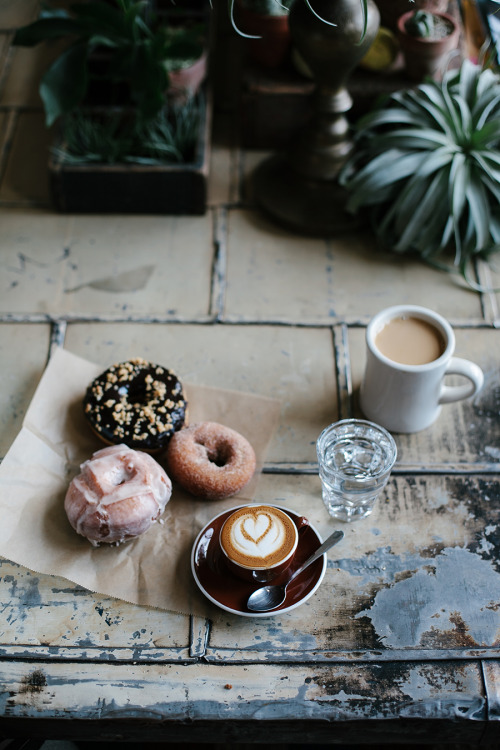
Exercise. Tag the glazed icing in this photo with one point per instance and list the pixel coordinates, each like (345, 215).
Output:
(118, 495)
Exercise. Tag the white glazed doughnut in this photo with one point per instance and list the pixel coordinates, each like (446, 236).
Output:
(119, 494)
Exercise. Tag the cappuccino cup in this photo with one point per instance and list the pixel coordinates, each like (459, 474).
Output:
(409, 351)
(259, 542)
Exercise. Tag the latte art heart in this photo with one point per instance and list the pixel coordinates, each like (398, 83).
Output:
(258, 536)
(257, 528)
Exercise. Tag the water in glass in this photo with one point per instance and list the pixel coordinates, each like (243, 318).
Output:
(355, 460)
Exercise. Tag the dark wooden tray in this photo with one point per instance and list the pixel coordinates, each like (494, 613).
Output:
(135, 188)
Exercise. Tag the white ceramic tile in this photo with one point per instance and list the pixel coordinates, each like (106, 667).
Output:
(294, 365)
(33, 252)
(274, 274)
(24, 350)
(140, 265)
(108, 265)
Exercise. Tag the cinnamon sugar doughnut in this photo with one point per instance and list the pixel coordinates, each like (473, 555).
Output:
(210, 460)
(119, 494)
(137, 403)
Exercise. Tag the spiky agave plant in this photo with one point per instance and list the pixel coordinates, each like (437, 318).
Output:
(427, 168)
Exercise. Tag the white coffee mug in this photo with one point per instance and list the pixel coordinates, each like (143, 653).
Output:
(408, 397)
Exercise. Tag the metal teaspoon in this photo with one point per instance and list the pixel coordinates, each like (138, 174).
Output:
(270, 597)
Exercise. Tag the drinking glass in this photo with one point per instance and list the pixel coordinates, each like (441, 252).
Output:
(355, 460)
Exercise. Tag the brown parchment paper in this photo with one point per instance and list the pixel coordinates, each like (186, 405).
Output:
(153, 570)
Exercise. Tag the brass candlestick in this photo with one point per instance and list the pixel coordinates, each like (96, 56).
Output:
(299, 189)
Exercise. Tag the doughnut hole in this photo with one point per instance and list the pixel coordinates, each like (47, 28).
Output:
(219, 453)
(135, 392)
(101, 482)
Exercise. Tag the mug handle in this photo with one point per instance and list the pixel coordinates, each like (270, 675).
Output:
(469, 370)
(301, 523)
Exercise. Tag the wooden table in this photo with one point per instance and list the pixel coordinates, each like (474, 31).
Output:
(401, 641)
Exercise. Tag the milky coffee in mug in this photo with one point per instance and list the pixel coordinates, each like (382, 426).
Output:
(410, 341)
(259, 541)
(409, 352)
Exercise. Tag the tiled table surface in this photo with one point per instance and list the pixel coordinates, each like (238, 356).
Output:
(403, 634)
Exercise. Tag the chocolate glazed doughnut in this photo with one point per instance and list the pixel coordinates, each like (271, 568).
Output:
(137, 403)
(210, 460)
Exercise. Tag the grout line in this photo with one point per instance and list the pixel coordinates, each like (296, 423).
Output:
(202, 320)
(219, 267)
(57, 336)
(465, 469)
(343, 370)
(489, 302)
(199, 631)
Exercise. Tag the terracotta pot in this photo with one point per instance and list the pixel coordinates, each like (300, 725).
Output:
(427, 57)
(391, 10)
(187, 81)
(273, 46)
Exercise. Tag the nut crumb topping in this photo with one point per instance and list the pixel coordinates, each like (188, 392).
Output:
(136, 402)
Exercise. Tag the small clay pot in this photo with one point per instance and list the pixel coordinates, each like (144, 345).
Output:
(426, 57)
(184, 82)
(272, 48)
(391, 10)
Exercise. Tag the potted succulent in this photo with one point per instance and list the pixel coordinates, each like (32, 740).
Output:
(426, 169)
(132, 128)
(427, 39)
(391, 10)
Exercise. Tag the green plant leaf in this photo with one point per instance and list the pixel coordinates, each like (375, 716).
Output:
(411, 138)
(389, 116)
(487, 167)
(64, 84)
(465, 129)
(367, 186)
(424, 212)
(479, 212)
(459, 176)
(402, 209)
(495, 228)
(482, 113)
(492, 185)
(467, 81)
(489, 134)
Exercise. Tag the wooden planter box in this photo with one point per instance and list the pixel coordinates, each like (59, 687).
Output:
(135, 188)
